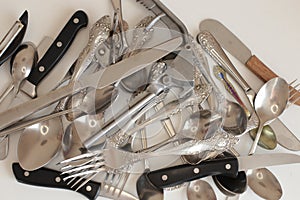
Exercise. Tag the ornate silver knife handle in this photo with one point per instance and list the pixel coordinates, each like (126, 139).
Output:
(212, 47)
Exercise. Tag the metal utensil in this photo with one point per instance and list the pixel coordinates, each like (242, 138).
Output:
(264, 183)
(239, 50)
(108, 76)
(200, 190)
(45, 177)
(13, 38)
(270, 102)
(21, 62)
(234, 46)
(155, 181)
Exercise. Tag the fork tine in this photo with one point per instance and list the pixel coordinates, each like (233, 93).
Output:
(82, 156)
(79, 180)
(291, 83)
(79, 174)
(86, 181)
(85, 167)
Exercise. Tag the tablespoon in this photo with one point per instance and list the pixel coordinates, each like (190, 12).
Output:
(268, 138)
(270, 102)
(200, 190)
(21, 63)
(46, 136)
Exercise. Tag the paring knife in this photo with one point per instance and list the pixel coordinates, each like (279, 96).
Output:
(155, 181)
(239, 50)
(55, 52)
(100, 79)
(13, 38)
(53, 179)
(234, 46)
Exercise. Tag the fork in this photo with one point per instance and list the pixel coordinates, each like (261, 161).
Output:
(294, 93)
(112, 158)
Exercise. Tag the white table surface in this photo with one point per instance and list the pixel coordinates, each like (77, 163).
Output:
(271, 29)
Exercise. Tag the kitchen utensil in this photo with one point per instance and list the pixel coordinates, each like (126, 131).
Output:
(118, 10)
(122, 159)
(39, 143)
(200, 190)
(55, 52)
(270, 102)
(170, 19)
(108, 76)
(22, 61)
(239, 50)
(45, 177)
(264, 183)
(155, 181)
(221, 75)
(13, 38)
(267, 139)
(234, 46)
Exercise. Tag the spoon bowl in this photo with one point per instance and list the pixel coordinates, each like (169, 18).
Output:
(46, 136)
(200, 190)
(264, 183)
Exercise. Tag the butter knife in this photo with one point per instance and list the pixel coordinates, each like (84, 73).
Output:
(45, 177)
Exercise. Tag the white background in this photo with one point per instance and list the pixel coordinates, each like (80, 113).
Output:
(271, 29)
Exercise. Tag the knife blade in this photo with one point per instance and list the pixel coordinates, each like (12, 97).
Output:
(240, 51)
(234, 46)
(13, 38)
(229, 166)
(100, 79)
(45, 177)
(55, 52)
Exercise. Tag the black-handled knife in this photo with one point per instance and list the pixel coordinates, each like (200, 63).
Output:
(55, 52)
(13, 38)
(152, 183)
(50, 178)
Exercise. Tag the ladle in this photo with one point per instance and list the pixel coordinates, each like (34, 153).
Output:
(200, 190)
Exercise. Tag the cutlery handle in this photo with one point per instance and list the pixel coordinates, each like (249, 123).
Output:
(50, 178)
(176, 175)
(59, 47)
(265, 74)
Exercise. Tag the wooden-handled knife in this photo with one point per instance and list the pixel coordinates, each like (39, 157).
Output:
(240, 51)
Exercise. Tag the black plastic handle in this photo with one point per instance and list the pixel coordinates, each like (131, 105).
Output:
(50, 178)
(59, 47)
(176, 175)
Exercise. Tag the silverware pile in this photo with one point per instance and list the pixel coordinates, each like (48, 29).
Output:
(151, 106)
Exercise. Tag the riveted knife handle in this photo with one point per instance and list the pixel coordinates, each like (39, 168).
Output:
(176, 175)
(265, 74)
(59, 47)
(50, 178)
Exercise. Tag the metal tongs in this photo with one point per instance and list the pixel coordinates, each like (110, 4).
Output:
(13, 38)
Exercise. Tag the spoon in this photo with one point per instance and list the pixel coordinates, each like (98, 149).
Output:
(268, 137)
(264, 183)
(21, 63)
(270, 102)
(46, 136)
(200, 190)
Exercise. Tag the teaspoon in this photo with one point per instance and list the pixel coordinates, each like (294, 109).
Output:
(200, 190)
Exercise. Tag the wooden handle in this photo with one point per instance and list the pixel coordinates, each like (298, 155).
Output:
(265, 74)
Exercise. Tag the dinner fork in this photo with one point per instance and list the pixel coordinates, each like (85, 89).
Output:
(293, 93)
(112, 158)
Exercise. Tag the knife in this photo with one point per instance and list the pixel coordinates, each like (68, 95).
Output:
(45, 177)
(102, 78)
(239, 50)
(152, 183)
(234, 46)
(55, 52)
(13, 38)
